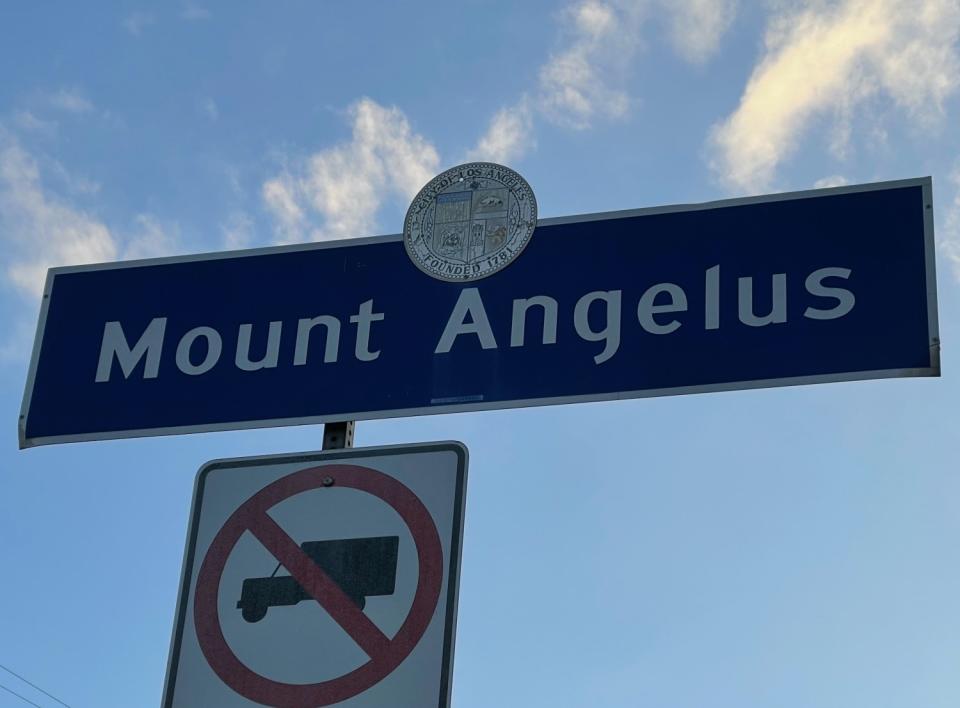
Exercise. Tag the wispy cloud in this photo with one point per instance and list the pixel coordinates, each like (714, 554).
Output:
(346, 184)
(69, 100)
(825, 59)
(148, 238)
(210, 109)
(195, 13)
(283, 195)
(136, 22)
(336, 192)
(586, 78)
(73, 183)
(508, 137)
(581, 81)
(950, 233)
(697, 26)
(831, 181)
(27, 121)
(237, 231)
(40, 229)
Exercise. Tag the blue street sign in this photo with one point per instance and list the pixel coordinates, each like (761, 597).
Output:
(827, 285)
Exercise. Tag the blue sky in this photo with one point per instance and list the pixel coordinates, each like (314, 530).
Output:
(792, 548)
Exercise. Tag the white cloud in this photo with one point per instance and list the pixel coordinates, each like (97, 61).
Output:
(825, 59)
(237, 231)
(74, 183)
(149, 239)
(136, 22)
(585, 80)
(577, 84)
(337, 192)
(345, 185)
(38, 229)
(210, 109)
(195, 13)
(509, 135)
(70, 100)
(697, 26)
(950, 233)
(28, 122)
(282, 196)
(831, 181)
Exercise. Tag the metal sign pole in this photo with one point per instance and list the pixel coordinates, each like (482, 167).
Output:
(338, 435)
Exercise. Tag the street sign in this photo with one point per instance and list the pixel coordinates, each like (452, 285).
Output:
(807, 287)
(360, 607)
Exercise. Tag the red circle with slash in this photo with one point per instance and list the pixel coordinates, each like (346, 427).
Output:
(385, 654)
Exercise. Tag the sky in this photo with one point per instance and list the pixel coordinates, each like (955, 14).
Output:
(791, 547)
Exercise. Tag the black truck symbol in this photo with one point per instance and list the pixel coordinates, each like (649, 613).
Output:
(362, 567)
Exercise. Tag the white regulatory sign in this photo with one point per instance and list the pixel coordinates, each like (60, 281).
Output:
(321, 578)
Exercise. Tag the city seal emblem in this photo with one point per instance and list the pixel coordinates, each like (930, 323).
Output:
(469, 222)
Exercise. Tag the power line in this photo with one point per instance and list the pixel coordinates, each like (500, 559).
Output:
(25, 700)
(30, 683)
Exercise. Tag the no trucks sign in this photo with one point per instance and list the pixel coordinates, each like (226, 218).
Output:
(321, 579)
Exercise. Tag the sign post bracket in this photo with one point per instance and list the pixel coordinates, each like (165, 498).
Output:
(338, 435)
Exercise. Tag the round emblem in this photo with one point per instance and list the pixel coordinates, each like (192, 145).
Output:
(470, 221)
